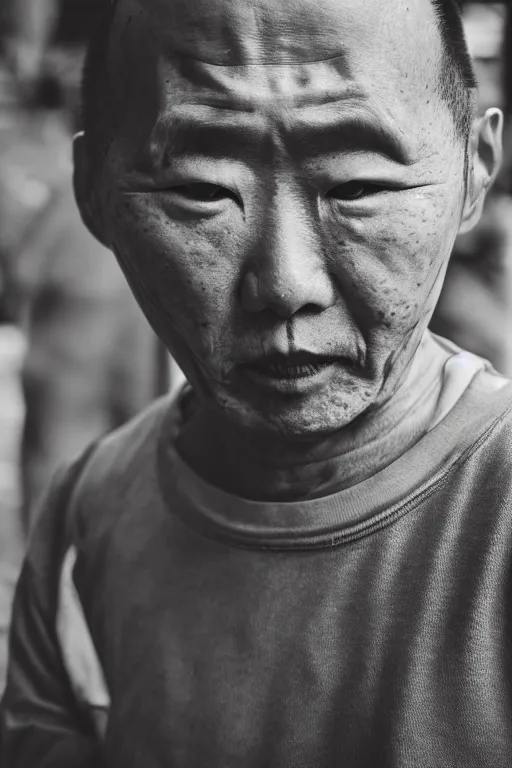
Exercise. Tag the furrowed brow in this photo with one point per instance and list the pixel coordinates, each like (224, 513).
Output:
(214, 132)
(351, 132)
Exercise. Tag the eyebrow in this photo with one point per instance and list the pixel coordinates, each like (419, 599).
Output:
(355, 130)
(224, 133)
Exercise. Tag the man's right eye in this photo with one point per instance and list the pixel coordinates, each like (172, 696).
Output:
(202, 192)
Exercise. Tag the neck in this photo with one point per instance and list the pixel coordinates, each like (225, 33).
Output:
(277, 470)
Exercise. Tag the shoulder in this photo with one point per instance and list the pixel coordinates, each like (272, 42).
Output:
(131, 445)
(121, 473)
(71, 557)
(483, 423)
(474, 409)
(87, 498)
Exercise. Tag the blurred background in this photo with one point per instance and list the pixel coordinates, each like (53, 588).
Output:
(77, 357)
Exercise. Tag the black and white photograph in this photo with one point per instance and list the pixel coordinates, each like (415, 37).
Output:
(255, 384)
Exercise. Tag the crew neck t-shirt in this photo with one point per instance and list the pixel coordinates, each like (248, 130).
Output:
(160, 621)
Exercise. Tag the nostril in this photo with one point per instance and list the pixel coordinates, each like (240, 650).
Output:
(308, 310)
(311, 309)
(287, 309)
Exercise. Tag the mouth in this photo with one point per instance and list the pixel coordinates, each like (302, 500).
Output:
(287, 371)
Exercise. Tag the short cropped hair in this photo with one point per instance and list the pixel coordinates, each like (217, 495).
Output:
(458, 79)
(457, 76)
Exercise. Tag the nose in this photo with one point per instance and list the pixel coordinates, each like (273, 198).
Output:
(286, 272)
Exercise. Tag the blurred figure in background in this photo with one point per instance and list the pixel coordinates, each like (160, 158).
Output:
(475, 308)
(92, 360)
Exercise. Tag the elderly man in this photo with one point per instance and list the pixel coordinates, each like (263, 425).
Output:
(304, 559)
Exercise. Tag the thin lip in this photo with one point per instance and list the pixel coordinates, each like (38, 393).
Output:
(269, 380)
(293, 359)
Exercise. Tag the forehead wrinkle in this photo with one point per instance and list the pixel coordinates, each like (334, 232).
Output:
(177, 27)
(231, 32)
(186, 78)
(252, 87)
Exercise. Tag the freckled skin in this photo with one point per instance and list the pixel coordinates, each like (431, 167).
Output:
(281, 255)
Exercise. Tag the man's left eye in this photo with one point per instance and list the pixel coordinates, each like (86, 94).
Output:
(202, 192)
(354, 190)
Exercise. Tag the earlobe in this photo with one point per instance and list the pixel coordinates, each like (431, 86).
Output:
(484, 158)
(83, 188)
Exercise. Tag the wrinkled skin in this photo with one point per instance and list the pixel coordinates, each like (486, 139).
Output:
(321, 235)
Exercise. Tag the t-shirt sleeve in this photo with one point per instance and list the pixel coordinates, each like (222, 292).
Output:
(41, 722)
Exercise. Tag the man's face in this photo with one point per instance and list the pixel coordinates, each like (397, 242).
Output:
(283, 180)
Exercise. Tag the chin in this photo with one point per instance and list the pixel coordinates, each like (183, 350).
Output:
(298, 417)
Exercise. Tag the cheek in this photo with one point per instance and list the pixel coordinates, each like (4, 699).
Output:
(184, 276)
(393, 260)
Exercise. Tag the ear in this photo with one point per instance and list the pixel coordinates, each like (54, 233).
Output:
(485, 154)
(85, 194)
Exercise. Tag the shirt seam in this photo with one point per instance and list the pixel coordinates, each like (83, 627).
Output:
(360, 530)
